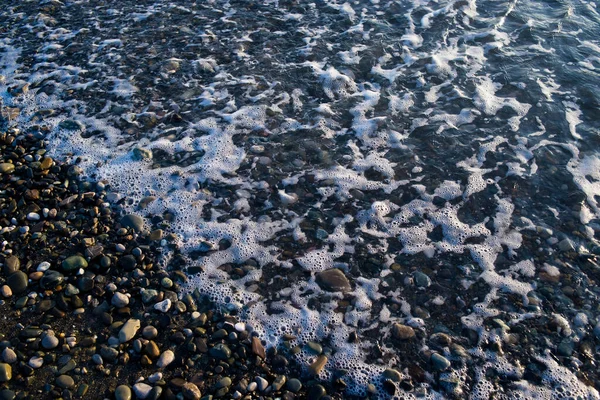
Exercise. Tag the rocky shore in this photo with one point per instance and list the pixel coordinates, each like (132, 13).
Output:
(89, 312)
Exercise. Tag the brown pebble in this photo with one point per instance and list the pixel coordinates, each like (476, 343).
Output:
(317, 366)
(258, 348)
(402, 332)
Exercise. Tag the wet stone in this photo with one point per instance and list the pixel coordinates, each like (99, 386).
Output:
(403, 332)
(73, 263)
(51, 279)
(333, 280)
(6, 168)
(439, 362)
(316, 392)
(258, 348)
(421, 280)
(293, 385)
(65, 382)
(17, 282)
(5, 372)
(190, 391)
(133, 221)
(317, 366)
(9, 356)
(223, 382)
(123, 392)
(220, 351)
(142, 390)
(11, 265)
(278, 382)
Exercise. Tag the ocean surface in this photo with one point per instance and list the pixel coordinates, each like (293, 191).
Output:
(440, 159)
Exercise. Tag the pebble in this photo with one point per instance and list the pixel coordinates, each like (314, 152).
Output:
(119, 300)
(403, 332)
(149, 332)
(141, 390)
(36, 362)
(421, 280)
(223, 382)
(317, 366)
(293, 385)
(6, 168)
(316, 392)
(333, 280)
(123, 392)
(9, 355)
(163, 306)
(165, 359)
(278, 382)
(252, 386)
(6, 291)
(12, 264)
(133, 221)
(129, 329)
(5, 372)
(17, 282)
(49, 342)
(33, 216)
(191, 391)
(51, 279)
(220, 351)
(439, 362)
(65, 382)
(73, 263)
(262, 383)
(258, 348)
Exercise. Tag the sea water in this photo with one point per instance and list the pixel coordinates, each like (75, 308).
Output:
(442, 154)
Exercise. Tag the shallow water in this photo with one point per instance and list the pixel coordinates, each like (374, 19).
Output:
(454, 139)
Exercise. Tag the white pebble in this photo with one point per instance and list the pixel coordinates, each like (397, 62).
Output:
(163, 306)
(165, 359)
(36, 362)
(142, 390)
(240, 327)
(33, 216)
(155, 377)
(43, 266)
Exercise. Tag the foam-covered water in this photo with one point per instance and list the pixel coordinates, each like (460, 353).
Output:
(382, 138)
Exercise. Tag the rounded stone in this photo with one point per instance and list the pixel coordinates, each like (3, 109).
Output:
(333, 280)
(129, 330)
(12, 264)
(403, 332)
(17, 282)
(5, 372)
(223, 382)
(439, 362)
(293, 385)
(74, 262)
(166, 358)
(119, 300)
(123, 392)
(220, 351)
(421, 280)
(51, 279)
(142, 390)
(9, 356)
(49, 342)
(7, 168)
(133, 221)
(190, 391)
(65, 382)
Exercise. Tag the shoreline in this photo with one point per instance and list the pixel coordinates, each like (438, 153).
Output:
(89, 313)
